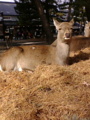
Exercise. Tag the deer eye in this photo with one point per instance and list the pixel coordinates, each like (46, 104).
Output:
(59, 29)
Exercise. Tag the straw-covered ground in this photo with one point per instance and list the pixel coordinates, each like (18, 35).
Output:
(51, 92)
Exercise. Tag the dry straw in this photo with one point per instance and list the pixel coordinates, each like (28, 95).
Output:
(51, 92)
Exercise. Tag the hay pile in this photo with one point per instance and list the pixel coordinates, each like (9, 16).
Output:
(51, 92)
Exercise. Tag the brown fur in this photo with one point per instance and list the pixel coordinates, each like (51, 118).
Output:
(79, 43)
(29, 57)
(9, 58)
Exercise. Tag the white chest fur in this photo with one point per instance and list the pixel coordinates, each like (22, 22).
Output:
(62, 53)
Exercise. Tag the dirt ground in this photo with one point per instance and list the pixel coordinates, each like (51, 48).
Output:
(51, 92)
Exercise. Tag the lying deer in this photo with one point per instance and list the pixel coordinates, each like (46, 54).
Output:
(80, 42)
(29, 57)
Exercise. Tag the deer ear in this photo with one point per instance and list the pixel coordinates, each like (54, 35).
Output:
(56, 23)
(72, 22)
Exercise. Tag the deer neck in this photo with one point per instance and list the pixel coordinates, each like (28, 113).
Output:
(87, 33)
(62, 46)
(62, 52)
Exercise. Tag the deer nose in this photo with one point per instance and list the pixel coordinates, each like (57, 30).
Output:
(67, 35)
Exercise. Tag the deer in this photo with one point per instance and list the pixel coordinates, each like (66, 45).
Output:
(29, 57)
(81, 42)
(87, 30)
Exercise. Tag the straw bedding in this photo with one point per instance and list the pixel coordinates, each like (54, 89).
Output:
(51, 92)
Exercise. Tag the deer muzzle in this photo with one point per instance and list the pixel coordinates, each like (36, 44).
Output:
(67, 35)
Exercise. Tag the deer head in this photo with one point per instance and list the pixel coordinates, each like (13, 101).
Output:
(64, 30)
